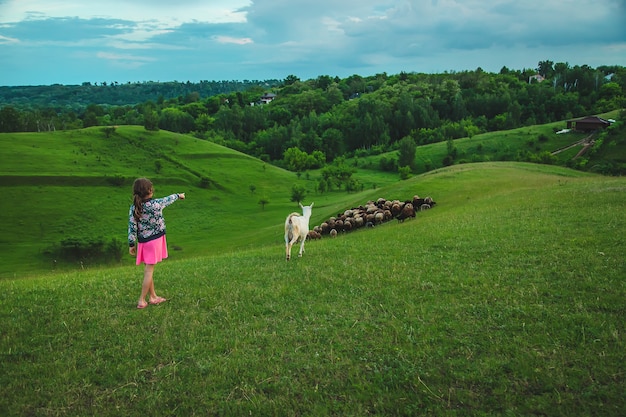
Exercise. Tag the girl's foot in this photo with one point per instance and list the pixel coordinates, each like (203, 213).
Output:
(142, 304)
(157, 300)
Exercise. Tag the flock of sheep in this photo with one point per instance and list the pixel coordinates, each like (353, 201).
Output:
(371, 214)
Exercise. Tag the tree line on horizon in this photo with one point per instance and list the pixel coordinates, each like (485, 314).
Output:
(313, 122)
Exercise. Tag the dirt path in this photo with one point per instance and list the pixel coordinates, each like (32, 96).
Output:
(586, 143)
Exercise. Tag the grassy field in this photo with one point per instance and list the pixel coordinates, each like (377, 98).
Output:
(507, 298)
(499, 146)
(75, 186)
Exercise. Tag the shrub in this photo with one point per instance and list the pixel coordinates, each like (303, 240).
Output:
(388, 165)
(405, 172)
(353, 185)
(92, 250)
(361, 153)
(108, 131)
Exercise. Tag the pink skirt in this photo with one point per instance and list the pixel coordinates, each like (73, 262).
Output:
(152, 252)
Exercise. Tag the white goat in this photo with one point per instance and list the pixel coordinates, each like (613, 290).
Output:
(297, 227)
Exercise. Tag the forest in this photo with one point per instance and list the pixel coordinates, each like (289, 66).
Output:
(306, 124)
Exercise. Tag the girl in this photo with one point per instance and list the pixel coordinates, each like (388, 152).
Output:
(146, 234)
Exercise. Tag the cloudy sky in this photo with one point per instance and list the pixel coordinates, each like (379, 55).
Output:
(73, 41)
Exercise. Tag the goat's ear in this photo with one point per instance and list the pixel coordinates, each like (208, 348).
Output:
(311, 205)
(300, 205)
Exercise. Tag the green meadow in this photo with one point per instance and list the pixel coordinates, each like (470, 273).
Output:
(75, 186)
(507, 298)
(78, 185)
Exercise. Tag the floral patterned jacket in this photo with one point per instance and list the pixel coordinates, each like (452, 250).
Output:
(151, 225)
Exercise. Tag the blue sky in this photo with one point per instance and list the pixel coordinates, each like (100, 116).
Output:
(74, 41)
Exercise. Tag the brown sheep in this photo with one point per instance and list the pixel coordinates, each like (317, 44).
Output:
(313, 235)
(396, 208)
(407, 212)
(359, 221)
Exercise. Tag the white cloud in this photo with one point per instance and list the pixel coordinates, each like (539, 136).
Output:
(125, 60)
(229, 39)
(137, 33)
(167, 11)
(7, 40)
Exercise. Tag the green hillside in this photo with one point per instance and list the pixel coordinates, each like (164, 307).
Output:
(507, 298)
(512, 145)
(69, 188)
(77, 185)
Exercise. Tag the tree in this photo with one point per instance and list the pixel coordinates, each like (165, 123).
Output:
(322, 185)
(452, 153)
(338, 173)
(229, 119)
(298, 192)
(151, 120)
(176, 120)
(9, 120)
(323, 81)
(90, 119)
(263, 201)
(315, 160)
(295, 159)
(610, 90)
(406, 152)
(203, 123)
(332, 143)
(545, 68)
(291, 79)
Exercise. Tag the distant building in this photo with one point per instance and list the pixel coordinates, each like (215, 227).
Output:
(588, 124)
(267, 98)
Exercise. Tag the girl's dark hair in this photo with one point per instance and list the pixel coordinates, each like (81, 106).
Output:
(142, 187)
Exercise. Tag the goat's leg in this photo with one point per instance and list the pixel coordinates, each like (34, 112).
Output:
(302, 247)
(289, 245)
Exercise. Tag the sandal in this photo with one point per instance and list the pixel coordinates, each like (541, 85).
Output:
(158, 300)
(142, 305)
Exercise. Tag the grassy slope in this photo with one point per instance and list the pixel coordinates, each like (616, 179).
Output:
(494, 146)
(56, 186)
(507, 298)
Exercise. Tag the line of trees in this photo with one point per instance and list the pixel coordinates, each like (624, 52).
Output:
(316, 121)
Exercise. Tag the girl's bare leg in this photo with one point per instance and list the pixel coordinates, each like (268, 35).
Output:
(148, 284)
(151, 291)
